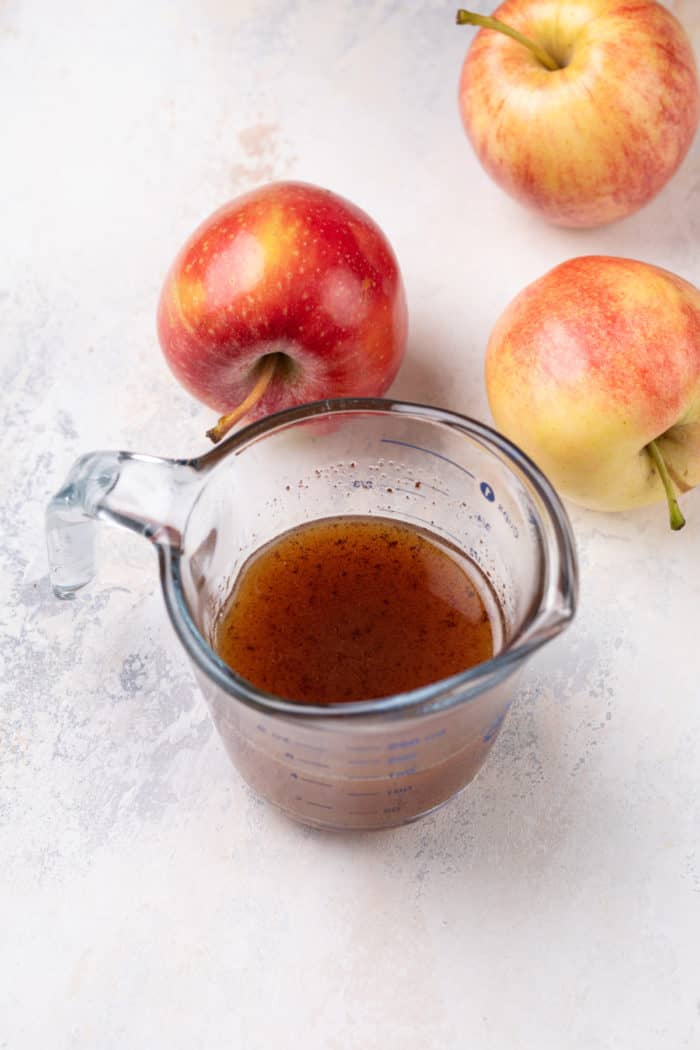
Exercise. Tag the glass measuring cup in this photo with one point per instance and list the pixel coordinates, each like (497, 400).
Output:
(363, 765)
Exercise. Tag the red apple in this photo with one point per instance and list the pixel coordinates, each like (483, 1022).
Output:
(594, 370)
(588, 112)
(285, 295)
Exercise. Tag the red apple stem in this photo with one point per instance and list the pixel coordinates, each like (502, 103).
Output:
(267, 370)
(675, 512)
(468, 18)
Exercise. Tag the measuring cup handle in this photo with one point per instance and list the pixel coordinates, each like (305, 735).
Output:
(140, 493)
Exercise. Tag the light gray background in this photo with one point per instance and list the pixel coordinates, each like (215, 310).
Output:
(148, 899)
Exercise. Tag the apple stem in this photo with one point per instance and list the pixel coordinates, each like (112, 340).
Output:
(467, 18)
(675, 512)
(267, 371)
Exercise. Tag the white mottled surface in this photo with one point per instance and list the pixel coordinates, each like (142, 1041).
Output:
(147, 899)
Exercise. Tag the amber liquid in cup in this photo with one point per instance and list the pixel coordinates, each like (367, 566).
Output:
(348, 609)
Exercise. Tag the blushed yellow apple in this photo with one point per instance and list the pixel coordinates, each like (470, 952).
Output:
(580, 109)
(594, 370)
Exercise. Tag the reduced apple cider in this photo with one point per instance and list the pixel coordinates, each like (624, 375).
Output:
(354, 608)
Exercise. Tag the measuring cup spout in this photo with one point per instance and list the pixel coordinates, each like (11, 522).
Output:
(559, 597)
(550, 623)
(142, 493)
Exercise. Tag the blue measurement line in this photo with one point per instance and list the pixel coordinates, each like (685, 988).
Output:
(403, 743)
(309, 762)
(410, 492)
(435, 735)
(403, 758)
(494, 727)
(429, 452)
(459, 540)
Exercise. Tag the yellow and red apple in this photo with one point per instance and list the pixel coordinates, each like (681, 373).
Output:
(588, 114)
(285, 295)
(594, 370)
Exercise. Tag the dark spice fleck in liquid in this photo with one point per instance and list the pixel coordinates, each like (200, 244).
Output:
(353, 608)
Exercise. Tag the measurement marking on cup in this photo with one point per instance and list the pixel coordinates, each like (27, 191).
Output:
(411, 492)
(394, 773)
(494, 727)
(429, 452)
(459, 540)
(363, 794)
(316, 805)
(309, 747)
(436, 489)
(316, 783)
(435, 735)
(309, 762)
(364, 747)
(422, 484)
(403, 758)
(403, 743)
(306, 761)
